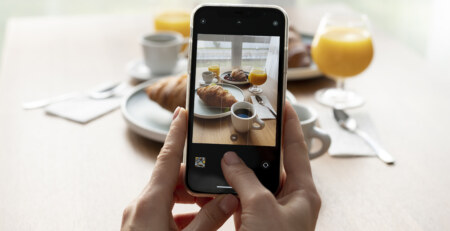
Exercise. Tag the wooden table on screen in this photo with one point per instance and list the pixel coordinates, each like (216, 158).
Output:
(60, 175)
(220, 130)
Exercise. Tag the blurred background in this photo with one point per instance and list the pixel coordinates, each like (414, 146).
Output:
(419, 24)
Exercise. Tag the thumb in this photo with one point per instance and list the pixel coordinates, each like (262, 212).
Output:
(214, 214)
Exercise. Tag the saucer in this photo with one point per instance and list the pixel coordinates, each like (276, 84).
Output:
(202, 83)
(138, 70)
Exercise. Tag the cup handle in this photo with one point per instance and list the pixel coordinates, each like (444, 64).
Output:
(258, 121)
(184, 53)
(324, 138)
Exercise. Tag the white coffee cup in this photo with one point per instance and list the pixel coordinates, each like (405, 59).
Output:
(208, 76)
(245, 123)
(162, 51)
(308, 118)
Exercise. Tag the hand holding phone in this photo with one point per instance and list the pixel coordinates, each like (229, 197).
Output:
(296, 206)
(152, 209)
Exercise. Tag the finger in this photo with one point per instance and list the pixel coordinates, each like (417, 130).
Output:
(295, 159)
(237, 218)
(214, 214)
(240, 177)
(183, 220)
(181, 195)
(167, 167)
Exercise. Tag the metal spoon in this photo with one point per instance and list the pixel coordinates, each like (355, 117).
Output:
(349, 124)
(261, 101)
(103, 92)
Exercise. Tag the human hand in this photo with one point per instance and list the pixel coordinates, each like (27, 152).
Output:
(296, 206)
(152, 209)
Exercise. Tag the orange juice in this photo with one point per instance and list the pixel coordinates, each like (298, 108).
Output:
(342, 52)
(257, 77)
(173, 21)
(215, 69)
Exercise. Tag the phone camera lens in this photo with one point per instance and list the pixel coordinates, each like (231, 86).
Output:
(203, 21)
(275, 23)
(239, 22)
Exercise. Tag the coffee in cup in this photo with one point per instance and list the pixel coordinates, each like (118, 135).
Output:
(162, 51)
(208, 76)
(244, 118)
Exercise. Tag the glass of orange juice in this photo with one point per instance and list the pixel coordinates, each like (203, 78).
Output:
(214, 68)
(342, 48)
(257, 76)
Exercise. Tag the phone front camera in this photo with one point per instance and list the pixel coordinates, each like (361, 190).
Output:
(239, 22)
(203, 21)
(275, 23)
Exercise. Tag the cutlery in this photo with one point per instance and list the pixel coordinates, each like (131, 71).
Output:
(350, 124)
(107, 90)
(261, 101)
(44, 102)
(103, 92)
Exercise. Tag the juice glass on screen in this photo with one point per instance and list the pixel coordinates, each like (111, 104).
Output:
(342, 48)
(214, 68)
(257, 76)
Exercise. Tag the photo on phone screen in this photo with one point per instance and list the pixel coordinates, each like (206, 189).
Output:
(236, 94)
(232, 73)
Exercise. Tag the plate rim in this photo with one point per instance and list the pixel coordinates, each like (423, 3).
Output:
(154, 134)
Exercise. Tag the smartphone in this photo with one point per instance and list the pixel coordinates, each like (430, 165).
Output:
(236, 91)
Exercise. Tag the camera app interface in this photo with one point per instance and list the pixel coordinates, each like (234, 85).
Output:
(236, 84)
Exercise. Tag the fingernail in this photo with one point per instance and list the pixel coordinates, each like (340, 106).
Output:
(228, 204)
(176, 112)
(231, 158)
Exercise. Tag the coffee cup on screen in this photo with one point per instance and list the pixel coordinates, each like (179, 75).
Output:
(208, 76)
(244, 118)
(308, 118)
(162, 51)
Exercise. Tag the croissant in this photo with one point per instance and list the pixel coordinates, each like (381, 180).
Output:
(169, 92)
(238, 75)
(216, 96)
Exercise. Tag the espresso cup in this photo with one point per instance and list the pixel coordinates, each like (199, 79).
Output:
(308, 118)
(208, 76)
(162, 51)
(244, 118)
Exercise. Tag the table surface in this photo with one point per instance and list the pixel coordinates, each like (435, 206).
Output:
(205, 130)
(60, 175)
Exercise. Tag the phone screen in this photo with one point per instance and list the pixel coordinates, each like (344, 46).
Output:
(236, 94)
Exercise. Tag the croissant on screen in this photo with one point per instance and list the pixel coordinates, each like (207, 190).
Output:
(169, 92)
(215, 96)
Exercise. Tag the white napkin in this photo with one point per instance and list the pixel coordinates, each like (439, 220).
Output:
(263, 112)
(83, 109)
(345, 143)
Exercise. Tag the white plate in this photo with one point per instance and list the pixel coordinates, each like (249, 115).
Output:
(300, 73)
(147, 118)
(201, 110)
(138, 70)
(222, 76)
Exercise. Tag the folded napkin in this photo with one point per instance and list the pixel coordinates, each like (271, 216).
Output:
(83, 109)
(263, 112)
(346, 143)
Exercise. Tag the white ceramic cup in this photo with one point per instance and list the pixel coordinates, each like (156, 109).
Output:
(208, 76)
(308, 118)
(162, 51)
(241, 124)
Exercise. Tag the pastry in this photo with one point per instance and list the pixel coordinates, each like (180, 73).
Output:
(298, 55)
(238, 75)
(215, 96)
(169, 92)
